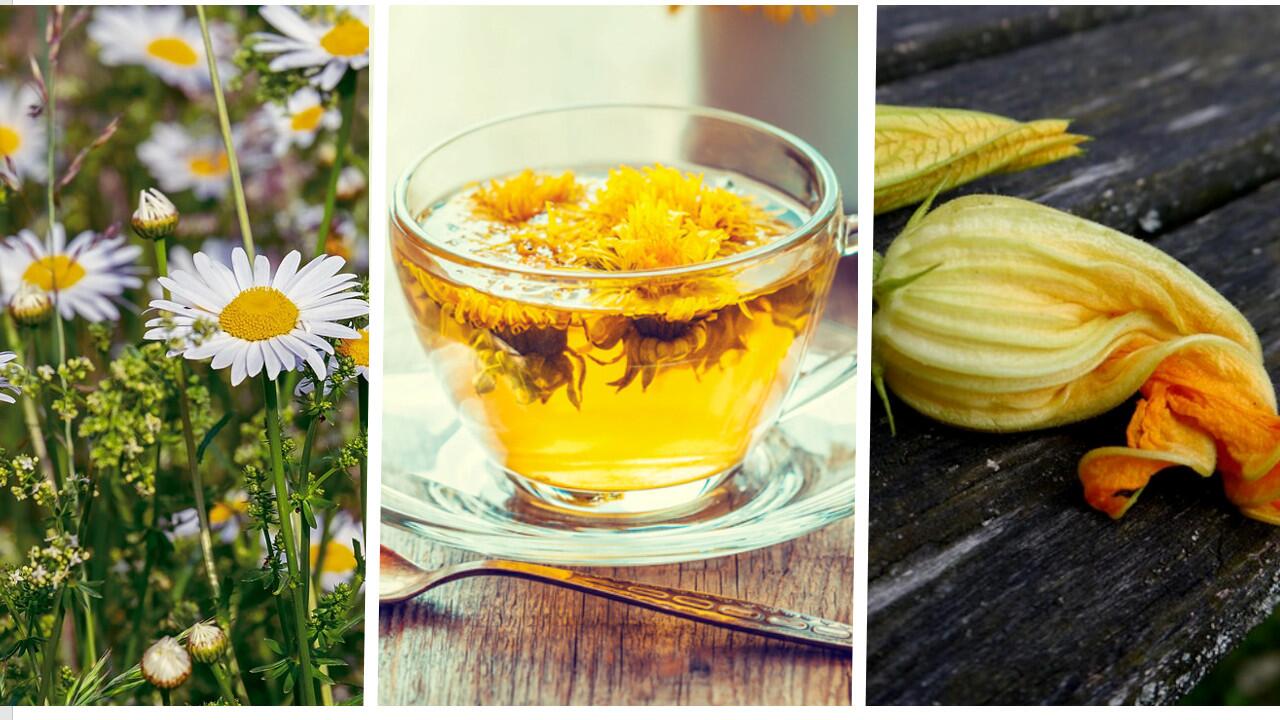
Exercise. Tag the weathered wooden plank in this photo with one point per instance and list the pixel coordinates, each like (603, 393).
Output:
(490, 641)
(1181, 105)
(912, 39)
(992, 581)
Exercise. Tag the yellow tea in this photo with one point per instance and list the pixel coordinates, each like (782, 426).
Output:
(636, 372)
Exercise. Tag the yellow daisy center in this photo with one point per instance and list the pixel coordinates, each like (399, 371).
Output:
(259, 313)
(173, 50)
(338, 558)
(10, 140)
(307, 120)
(348, 38)
(357, 349)
(55, 272)
(209, 164)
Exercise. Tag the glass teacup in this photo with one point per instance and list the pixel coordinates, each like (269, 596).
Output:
(620, 391)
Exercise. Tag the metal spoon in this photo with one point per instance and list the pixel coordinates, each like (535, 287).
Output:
(402, 580)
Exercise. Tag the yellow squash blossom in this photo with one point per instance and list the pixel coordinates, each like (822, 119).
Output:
(923, 150)
(1002, 315)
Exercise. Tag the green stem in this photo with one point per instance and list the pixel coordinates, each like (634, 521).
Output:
(285, 512)
(143, 611)
(224, 683)
(347, 103)
(30, 415)
(224, 124)
(164, 697)
(89, 653)
(50, 113)
(51, 650)
(362, 386)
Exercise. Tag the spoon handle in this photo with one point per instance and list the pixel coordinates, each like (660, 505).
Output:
(725, 612)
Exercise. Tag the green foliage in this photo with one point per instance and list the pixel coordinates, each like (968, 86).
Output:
(99, 535)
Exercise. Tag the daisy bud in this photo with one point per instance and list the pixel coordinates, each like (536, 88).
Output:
(206, 641)
(30, 305)
(1000, 314)
(156, 216)
(351, 183)
(166, 664)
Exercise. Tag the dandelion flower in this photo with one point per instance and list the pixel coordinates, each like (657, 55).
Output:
(260, 322)
(22, 137)
(181, 161)
(337, 564)
(86, 277)
(166, 664)
(329, 46)
(300, 119)
(5, 386)
(163, 40)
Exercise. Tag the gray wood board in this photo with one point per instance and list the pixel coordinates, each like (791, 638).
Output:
(990, 578)
(1182, 106)
(911, 39)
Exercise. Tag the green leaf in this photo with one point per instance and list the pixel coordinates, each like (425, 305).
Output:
(211, 434)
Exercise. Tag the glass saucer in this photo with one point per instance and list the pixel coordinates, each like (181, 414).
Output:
(438, 482)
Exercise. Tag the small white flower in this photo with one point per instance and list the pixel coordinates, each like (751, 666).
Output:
(261, 322)
(181, 161)
(298, 122)
(166, 664)
(21, 136)
(163, 40)
(5, 386)
(85, 277)
(331, 47)
(338, 563)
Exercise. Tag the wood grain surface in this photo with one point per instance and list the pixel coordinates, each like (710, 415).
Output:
(498, 641)
(991, 581)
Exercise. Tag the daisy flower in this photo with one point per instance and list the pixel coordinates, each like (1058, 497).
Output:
(329, 46)
(5, 386)
(338, 563)
(357, 349)
(225, 518)
(259, 322)
(85, 277)
(298, 121)
(181, 161)
(163, 40)
(21, 136)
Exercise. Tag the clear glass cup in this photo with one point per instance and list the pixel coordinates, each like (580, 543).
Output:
(620, 392)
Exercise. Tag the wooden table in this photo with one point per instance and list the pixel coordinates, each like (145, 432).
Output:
(500, 641)
(990, 578)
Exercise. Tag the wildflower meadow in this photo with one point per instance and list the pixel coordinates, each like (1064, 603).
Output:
(183, 355)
